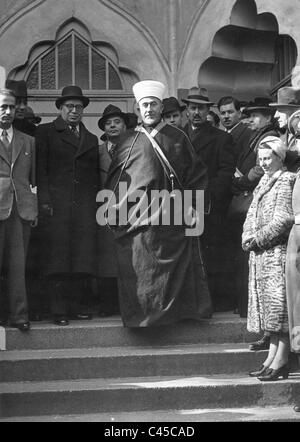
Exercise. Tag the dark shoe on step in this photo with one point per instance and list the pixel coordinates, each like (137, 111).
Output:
(262, 344)
(3, 323)
(61, 321)
(273, 375)
(22, 326)
(297, 408)
(82, 317)
(259, 372)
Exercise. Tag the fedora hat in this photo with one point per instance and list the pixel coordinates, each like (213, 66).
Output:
(287, 97)
(259, 104)
(72, 92)
(111, 111)
(171, 104)
(19, 88)
(198, 96)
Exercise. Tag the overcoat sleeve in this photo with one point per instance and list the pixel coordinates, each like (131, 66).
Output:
(42, 149)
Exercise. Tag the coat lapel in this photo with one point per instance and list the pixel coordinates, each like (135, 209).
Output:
(86, 142)
(66, 135)
(17, 145)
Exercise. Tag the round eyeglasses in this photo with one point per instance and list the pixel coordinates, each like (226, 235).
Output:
(77, 107)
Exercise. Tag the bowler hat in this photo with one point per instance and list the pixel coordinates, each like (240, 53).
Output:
(19, 88)
(171, 104)
(72, 92)
(288, 97)
(198, 95)
(110, 111)
(259, 104)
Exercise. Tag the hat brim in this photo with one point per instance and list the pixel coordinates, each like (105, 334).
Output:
(257, 108)
(102, 121)
(196, 101)
(62, 100)
(174, 109)
(284, 105)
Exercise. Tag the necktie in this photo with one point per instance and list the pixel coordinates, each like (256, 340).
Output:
(112, 151)
(4, 139)
(75, 131)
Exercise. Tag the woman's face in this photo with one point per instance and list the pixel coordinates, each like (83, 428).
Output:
(269, 161)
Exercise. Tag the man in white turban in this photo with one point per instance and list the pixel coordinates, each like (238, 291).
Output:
(161, 274)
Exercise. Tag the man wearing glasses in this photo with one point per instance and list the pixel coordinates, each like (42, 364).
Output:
(67, 178)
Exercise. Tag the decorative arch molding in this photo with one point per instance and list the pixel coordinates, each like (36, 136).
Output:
(212, 17)
(136, 46)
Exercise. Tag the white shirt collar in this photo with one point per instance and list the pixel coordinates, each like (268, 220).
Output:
(10, 133)
(230, 130)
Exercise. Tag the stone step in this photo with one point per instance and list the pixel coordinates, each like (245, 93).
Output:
(144, 394)
(222, 328)
(115, 362)
(254, 414)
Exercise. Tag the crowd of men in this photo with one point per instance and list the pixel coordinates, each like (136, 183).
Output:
(56, 261)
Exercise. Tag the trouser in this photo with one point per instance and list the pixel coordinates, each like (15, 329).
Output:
(108, 289)
(14, 239)
(67, 294)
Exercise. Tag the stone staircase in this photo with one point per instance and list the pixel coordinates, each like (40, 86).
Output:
(100, 371)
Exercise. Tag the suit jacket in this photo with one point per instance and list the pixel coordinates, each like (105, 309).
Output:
(17, 176)
(216, 148)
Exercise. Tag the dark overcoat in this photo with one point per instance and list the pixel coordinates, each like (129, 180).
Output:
(217, 150)
(68, 181)
(161, 274)
(107, 257)
(293, 273)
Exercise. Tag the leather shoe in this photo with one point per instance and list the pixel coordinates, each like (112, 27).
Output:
(259, 372)
(272, 375)
(82, 317)
(262, 344)
(61, 321)
(297, 408)
(3, 323)
(23, 327)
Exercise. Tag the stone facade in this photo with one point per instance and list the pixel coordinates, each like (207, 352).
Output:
(165, 39)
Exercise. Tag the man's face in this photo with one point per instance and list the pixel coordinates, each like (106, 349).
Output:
(7, 111)
(174, 118)
(230, 117)
(197, 113)
(21, 105)
(283, 114)
(114, 127)
(151, 110)
(72, 111)
(257, 120)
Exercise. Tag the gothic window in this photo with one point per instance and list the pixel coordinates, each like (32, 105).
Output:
(73, 60)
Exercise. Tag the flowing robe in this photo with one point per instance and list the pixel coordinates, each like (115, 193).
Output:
(161, 274)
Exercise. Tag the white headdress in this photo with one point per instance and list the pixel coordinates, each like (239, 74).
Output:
(148, 88)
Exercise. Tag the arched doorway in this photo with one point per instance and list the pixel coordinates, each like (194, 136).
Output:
(73, 58)
(249, 56)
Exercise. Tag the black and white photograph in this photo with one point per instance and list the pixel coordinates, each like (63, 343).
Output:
(150, 214)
